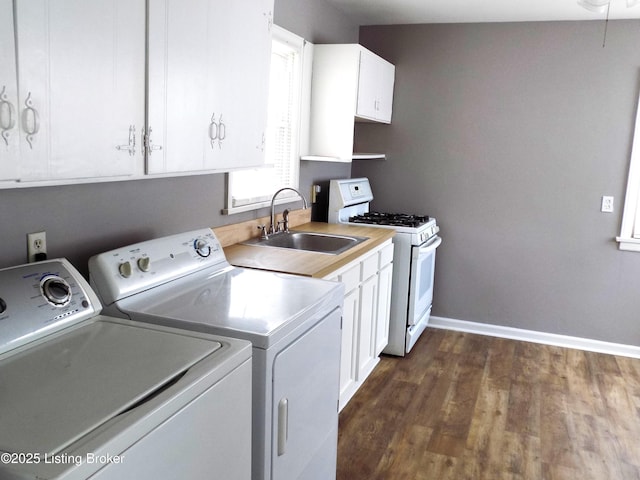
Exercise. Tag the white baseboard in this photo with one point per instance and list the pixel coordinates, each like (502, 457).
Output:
(536, 337)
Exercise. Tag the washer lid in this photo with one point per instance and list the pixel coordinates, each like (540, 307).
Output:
(58, 391)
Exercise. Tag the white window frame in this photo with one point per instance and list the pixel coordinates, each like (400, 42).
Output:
(629, 238)
(300, 134)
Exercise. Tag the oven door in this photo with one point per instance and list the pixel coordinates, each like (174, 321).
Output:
(423, 262)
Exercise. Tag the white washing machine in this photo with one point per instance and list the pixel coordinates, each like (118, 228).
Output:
(293, 322)
(86, 396)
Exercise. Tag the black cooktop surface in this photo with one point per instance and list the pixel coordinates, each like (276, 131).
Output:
(392, 219)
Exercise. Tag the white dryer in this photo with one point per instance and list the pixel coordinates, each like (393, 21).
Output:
(293, 322)
(86, 396)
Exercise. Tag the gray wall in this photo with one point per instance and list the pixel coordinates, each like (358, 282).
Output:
(81, 220)
(509, 134)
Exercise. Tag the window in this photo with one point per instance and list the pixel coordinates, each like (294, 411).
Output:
(252, 189)
(629, 238)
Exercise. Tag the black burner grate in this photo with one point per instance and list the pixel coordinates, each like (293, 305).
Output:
(392, 219)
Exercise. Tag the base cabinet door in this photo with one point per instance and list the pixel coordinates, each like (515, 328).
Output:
(348, 360)
(367, 359)
(384, 308)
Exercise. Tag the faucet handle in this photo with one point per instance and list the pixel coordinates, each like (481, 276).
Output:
(263, 232)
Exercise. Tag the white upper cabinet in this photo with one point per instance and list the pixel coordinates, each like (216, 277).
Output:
(375, 88)
(207, 86)
(349, 84)
(8, 95)
(81, 88)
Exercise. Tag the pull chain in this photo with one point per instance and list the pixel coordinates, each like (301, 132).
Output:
(606, 24)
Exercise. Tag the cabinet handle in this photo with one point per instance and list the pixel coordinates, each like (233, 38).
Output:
(260, 146)
(30, 120)
(213, 129)
(148, 143)
(131, 146)
(222, 130)
(283, 425)
(7, 115)
(217, 131)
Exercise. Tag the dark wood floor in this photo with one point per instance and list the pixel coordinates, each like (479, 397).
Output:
(465, 406)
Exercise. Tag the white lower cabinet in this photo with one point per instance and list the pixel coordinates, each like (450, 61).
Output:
(365, 320)
(350, 314)
(384, 299)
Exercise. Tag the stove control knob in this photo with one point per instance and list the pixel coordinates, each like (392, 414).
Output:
(3, 306)
(202, 247)
(125, 269)
(144, 264)
(56, 290)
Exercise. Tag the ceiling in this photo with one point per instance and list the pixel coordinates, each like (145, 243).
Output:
(398, 12)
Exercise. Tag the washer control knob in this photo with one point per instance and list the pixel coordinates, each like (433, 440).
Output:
(202, 247)
(125, 269)
(144, 264)
(56, 290)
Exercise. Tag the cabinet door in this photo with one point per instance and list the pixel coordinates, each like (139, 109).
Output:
(238, 88)
(208, 84)
(180, 34)
(384, 308)
(8, 95)
(305, 403)
(81, 87)
(367, 358)
(375, 88)
(386, 80)
(349, 350)
(367, 85)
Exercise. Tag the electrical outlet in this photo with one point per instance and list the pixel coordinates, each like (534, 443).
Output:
(607, 204)
(36, 244)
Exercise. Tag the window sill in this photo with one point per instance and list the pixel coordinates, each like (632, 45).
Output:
(257, 206)
(629, 244)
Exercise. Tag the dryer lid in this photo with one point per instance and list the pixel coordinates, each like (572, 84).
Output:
(56, 392)
(260, 306)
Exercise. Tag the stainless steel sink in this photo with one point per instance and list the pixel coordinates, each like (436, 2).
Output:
(309, 241)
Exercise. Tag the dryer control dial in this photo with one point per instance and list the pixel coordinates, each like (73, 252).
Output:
(55, 290)
(202, 247)
(144, 264)
(125, 269)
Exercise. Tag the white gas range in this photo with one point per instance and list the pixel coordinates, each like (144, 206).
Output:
(414, 256)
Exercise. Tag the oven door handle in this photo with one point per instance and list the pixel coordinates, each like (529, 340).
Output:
(430, 246)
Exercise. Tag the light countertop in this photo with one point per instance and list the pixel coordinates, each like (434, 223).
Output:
(309, 264)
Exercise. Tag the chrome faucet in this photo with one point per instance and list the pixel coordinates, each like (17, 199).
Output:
(273, 228)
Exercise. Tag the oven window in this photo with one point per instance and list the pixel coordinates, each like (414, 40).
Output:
(426, 276)
(421, 288)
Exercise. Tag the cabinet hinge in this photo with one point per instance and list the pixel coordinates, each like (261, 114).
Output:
(269, 17)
